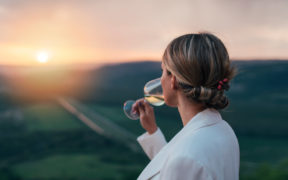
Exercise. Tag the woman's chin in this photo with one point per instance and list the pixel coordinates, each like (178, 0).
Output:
(170, 104)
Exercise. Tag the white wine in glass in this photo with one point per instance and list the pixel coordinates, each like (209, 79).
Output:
(152, 93)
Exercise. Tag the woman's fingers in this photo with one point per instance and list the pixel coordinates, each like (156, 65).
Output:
(136, 106)
(147, 106)
(141, 108)
(147, 117)
(144, 109)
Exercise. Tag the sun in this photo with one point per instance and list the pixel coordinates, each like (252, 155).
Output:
(42, 57)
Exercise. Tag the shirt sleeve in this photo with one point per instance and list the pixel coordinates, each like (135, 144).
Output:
(184, 169)
(152, 143)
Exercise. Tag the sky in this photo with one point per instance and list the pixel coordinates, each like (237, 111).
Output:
(104, 31)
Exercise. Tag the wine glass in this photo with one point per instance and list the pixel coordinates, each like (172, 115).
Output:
(152, 93)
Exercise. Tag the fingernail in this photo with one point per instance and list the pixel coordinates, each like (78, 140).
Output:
(140, 103)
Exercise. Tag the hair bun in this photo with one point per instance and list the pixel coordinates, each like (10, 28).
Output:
(211, 97)
(218, 103)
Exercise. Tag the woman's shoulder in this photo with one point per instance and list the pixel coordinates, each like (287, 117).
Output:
(213, 147)
(209, 139)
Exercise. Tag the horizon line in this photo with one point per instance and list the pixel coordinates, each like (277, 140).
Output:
(122, 62)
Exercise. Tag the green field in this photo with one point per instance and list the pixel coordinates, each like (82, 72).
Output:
(55, 145)
(76, 166)
(91, 163)
(50, 117)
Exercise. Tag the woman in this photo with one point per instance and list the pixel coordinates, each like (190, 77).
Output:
(196, 72)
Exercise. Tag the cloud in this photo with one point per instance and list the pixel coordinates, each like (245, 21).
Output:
(144, 28)
(2, 10)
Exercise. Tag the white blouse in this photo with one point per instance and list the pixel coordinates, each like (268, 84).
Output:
(206, 148)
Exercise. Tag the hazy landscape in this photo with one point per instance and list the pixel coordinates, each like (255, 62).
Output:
(47, 116)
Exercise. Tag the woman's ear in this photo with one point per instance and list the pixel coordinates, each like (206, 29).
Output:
(174, 83)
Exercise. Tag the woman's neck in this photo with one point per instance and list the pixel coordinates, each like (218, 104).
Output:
(187, 109)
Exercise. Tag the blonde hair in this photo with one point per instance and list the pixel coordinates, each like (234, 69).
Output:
(199, 62)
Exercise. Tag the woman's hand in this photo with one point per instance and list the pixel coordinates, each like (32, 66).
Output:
(147, 117)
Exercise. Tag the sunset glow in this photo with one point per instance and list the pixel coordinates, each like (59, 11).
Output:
(92, 32)
(42, 57)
